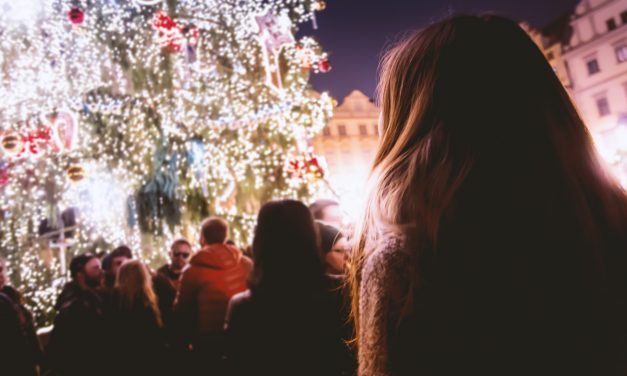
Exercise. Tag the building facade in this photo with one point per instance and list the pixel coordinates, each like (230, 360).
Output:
(596, 57)
(348, 144)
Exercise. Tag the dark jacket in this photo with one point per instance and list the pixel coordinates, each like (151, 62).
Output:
(299, 335)
(135, 341)
(215, 274)
(69, 292)
(19, 346)
(76, 342)
(165, 284)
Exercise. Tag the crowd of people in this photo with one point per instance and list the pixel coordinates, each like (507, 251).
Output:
(493, 242)
(215, 311)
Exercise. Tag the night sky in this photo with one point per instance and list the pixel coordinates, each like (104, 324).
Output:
(354, 32)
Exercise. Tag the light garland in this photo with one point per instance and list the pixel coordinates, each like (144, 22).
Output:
(106, 98)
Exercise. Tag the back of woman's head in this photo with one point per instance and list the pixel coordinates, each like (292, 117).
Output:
(285, 249)
(472, 98)
(482, 150)
(134, 286)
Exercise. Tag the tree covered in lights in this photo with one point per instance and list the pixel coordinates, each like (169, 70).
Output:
(128, 121)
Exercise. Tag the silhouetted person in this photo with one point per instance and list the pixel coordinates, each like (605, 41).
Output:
(89, 277)
(494, 242)
(216, 273)
(166, 282)
(19, 347)
(76, 342)
(134, 336)
(112, 262)
(289, 321)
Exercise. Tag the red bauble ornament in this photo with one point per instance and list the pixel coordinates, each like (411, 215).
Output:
(76, 15)
(4, 173)
(324, 66)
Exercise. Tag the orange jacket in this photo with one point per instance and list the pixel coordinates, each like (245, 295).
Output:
(215, 274)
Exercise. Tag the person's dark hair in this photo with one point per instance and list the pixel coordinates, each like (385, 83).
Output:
(484, 158)
(285, 251)
(122, 250)
(13, 294)
(78, 263)
(318, 206)
(214, 230)
(328, 235)
(106, 262)
(180, 241)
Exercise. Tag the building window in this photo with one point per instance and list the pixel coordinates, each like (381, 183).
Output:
(375, 129)
(363, 130)
(603, 106)
(611, 24)
(326, 131)
(593, 66)
(341, 130)
(623, 17)
(621, 52)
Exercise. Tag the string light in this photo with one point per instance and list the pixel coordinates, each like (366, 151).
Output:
(122, 104)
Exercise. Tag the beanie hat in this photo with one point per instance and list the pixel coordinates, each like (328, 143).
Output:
(328, 236)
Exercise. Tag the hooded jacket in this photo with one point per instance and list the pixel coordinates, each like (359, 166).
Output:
(216, 273)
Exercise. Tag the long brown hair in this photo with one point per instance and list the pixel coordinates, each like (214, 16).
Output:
(134, 285)
(473, 117)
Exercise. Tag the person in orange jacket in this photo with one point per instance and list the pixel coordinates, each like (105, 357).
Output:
(216, 273)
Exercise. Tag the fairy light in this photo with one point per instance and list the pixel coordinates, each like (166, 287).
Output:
(137, 99)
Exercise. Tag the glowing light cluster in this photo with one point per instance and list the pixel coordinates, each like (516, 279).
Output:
(175, 113)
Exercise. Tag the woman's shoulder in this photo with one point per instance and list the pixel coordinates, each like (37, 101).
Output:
(389, 255)
(389, 268)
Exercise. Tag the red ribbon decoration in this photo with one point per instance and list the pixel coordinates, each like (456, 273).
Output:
(35, 140)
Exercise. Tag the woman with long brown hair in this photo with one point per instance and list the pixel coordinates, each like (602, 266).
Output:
(136, 339)
(493, 241)
(289, 322)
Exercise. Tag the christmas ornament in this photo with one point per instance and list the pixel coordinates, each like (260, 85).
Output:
(64, 130)
(324, 66)
(4, 173)
(11, 143)
(76, 15)
(306, 167)
(274, 32)
(169, 36)
(37, 141)
(75, 173)
(319, 5)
